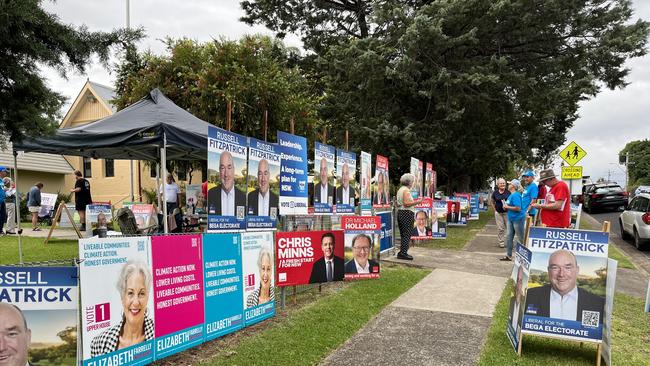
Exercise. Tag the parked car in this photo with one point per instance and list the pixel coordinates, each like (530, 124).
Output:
(604, 196)
(635, 220)
(641, 189)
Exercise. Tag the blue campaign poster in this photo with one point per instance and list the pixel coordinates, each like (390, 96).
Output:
(293, 174)
(519, 277)
(227, 160)
(263, 187)
(325, 182)
(346, 168)
(224, 306)
(567, 284)
(386, 236)
(474, 207)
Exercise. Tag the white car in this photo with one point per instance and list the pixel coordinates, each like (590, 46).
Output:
(635, 220)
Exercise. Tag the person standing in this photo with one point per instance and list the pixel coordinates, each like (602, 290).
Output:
(34, 204)
(516, 217)
(556, 210)
(530, 193)
(172, 193)
(82, 197)
(406, 213)
(10, 202)
(500, 215)
(3, 207)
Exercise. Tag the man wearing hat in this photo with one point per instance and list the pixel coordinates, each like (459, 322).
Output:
(530, 192)
(556, 211)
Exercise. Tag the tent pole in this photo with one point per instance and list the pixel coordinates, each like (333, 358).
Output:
(131, 171)
(17, 204)
(163, 162)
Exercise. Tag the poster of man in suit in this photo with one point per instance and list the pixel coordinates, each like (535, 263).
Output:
(362, 246)
(381, 197)
(346, 168)
(263, 185)
(566, 291)
(325, 183)
(227, 155)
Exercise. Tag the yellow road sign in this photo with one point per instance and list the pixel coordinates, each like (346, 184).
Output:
(571, 172)
(572, 154)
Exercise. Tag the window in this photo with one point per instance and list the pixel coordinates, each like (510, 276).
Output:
(87, 168)
(181, 173)
(109, 168)
(152, 170)
(642, 205)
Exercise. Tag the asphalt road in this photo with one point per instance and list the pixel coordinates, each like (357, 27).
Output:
(641, 258)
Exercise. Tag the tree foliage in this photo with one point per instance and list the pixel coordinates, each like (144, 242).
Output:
(256, 74)
(639, 156)
(29, 37)
(469, 85)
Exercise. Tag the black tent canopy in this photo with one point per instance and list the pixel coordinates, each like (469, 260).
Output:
(154, 129)
(138, 132)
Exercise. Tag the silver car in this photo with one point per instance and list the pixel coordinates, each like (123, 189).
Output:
(635, 220)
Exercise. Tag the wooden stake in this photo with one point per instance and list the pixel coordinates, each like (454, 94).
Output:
(347, 139)
(599, 354)
(266, 124)
(529, 223)
(292, 125)
(324, 135)
(229, 116)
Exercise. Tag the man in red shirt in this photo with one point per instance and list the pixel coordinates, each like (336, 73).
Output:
(556, 210)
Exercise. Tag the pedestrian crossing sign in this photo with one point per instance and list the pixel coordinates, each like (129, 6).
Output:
(572, 154)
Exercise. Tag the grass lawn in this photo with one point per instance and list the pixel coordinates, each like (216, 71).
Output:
(35, 251)
(305, 335)
(631, 334)
(613, 252)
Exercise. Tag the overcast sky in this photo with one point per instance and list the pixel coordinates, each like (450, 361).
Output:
(606, 122)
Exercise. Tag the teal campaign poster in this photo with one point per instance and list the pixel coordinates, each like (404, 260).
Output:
(224, 306)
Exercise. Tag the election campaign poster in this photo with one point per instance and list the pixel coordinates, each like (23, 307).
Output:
(223, 284)
(420, 178)
(439, 219)
(435, 183)
(116, 294)
(366, 189)
(65, 220)
(415, 164)
(457, 211)
(386, 236)
(309, 257)
(48, 201)
(361, 246)
(576, 212)
(483, 201)
(48, 299)
(566, 291)
(145, 215)
(177, 263)
(422, 226)
(519, 281)
(258, 270)
(346, 171)
(473, 207)
(192, 196)
(325, 182)
(382, 193)
(98, 215)
(293, 174)
(612, 266)
(428, 181)
(227, 154)
(263, 185)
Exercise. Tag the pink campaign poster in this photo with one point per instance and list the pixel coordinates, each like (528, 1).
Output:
(178, 292)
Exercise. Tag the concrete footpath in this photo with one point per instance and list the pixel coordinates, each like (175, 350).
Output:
(442, 320)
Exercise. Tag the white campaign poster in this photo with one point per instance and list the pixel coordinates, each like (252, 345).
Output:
(116, 291)
(612, 266)
(258, 270)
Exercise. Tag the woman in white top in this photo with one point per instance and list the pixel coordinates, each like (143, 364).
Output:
(405, 213)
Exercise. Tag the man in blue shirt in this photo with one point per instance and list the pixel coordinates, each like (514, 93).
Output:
(530, 192)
